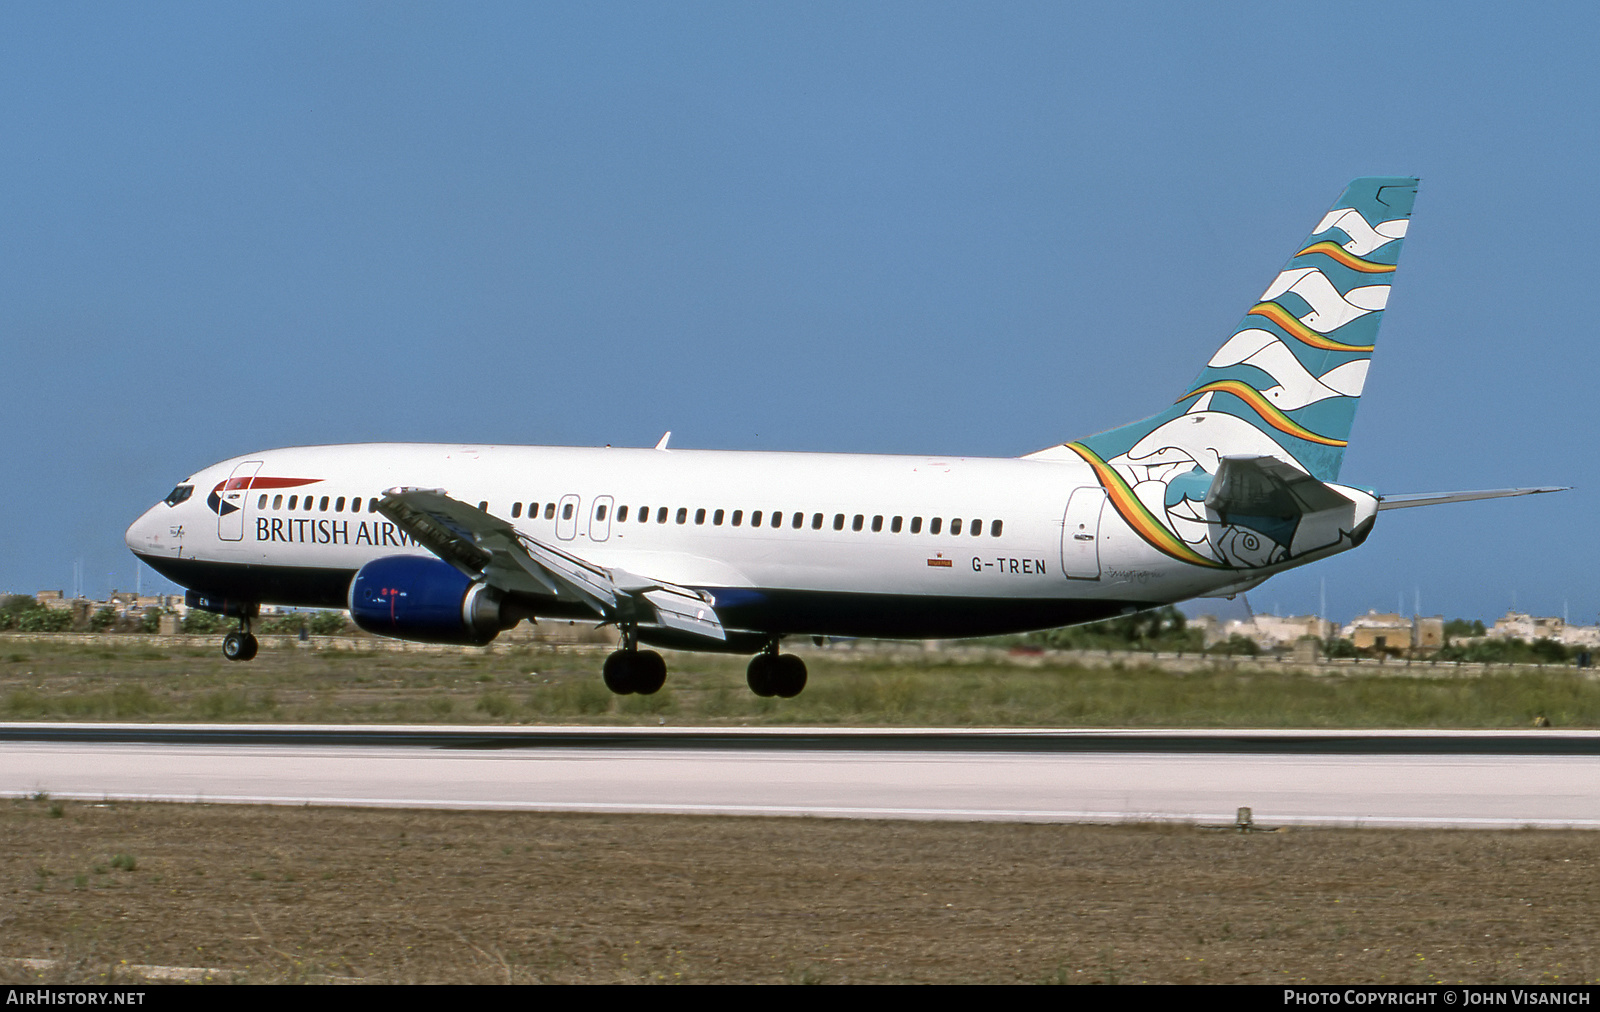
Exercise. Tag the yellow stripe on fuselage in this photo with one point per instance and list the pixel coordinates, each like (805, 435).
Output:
(1133, 511)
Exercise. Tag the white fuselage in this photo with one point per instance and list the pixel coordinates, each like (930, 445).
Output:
(941, 536)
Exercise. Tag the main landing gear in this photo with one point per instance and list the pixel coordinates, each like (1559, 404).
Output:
(631, 670)
(774, 674)
(239, 645)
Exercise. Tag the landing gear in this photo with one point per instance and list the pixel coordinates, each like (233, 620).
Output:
(239, 645)
(631, 670)
(774, 674)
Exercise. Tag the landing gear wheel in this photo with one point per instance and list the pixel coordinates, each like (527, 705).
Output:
(762, 674)
(239, 646)
(619, 672)
(649, 672)
(791, 676)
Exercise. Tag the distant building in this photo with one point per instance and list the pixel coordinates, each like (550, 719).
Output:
(1390, 631)
(1269, 632)
(1521, 626)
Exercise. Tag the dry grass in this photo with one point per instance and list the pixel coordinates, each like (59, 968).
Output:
(305, 894)
(43, 681)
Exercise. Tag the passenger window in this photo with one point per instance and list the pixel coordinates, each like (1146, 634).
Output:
(549, 511)
(894, 526)
(755, 519)
(355, 505)
(683, 515)
(661, 515)
(856, 524)
(644, 514)
(994, 528)
(738, 515)
(310, 502)
(933, 525)
(277, 502)
(699, 516)
(338, 507)
(877, 524)
(261, 503)
(777, 518)
(324, 507)
(622, 514)
(600, 513)
(916, 525)
(838, 521)
(955, 526)
(716, 519)
(816, 521)
(799, 521)
(977, 527)
(516, 510)
(294, 501)
(566, 512)
(372, 505)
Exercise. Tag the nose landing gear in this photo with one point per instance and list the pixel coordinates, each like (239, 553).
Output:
(240, 645)
(774, 674)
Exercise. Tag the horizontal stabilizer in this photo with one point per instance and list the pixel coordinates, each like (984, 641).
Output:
(1396, 502)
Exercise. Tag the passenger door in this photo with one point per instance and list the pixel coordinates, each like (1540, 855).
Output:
(1080, 534)
(233, 499)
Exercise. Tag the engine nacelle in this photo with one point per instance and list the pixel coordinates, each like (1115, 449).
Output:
(428, 600)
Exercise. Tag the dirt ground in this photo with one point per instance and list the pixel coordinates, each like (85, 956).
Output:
(91, 892)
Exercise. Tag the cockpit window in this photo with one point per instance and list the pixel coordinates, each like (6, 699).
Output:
(179, 494)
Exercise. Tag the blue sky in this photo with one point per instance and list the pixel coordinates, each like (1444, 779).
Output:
(950, 228)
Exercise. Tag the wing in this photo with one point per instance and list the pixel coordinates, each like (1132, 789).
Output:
(487, 548)
(1396, 502)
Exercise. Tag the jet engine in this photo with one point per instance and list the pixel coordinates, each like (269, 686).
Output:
(424, 599)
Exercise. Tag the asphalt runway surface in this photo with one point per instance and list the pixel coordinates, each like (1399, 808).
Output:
(1382, 779)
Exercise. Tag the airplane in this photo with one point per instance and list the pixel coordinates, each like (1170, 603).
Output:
(730, 551)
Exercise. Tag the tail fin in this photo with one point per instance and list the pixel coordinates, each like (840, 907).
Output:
(1287, 382)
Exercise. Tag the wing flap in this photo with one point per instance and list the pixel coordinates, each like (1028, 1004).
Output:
(486, 547)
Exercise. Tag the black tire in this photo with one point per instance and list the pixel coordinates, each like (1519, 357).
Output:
(250, 647)
(619, 672)
(791, 676)
(761, 675)
(236, 648)
(649, 673)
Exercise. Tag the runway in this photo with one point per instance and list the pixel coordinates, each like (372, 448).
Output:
(1388, 779)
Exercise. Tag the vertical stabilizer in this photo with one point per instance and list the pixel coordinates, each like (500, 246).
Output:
(1286, 383)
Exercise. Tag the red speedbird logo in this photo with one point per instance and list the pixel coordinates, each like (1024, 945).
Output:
(221, 507)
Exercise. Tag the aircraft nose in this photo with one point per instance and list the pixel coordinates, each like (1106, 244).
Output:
(150, 534)
(137, 532)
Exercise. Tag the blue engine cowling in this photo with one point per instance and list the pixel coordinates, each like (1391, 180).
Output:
(413, 597)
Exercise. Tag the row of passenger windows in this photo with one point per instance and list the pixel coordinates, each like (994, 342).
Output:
(310, 503)
(774, 518)
(757, 518)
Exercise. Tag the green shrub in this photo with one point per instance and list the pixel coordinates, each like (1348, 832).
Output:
(328, 623)
(45, 620)
(199, 622)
